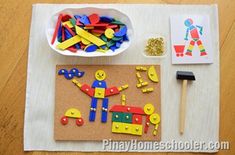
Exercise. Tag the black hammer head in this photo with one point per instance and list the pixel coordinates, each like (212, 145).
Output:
(183, 75)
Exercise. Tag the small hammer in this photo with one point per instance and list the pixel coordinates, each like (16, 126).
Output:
(185, 76)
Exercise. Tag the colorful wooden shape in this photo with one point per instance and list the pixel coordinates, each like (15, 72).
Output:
(78, 22)
(112, 26)
(126, 128)
(100, 75)
(106, 19)
(117, 127)
(73, 113)
(101, 50)
(104, 47)
(77, 17)
(137, 129)
(93, 109)
(70, 34)
(127, 118)
(88, 28)
(88, 90)
(96, 34)
(98, 25)
(123, 98)
(109, 33)
(117, 22)
(67, 74)
(141, 84)
(113, 48)
(59, 35)
(99, 93)
(152, 74)
(79, 74)
(72, 49)
(97, 41)
(69, 42)
(123, 87)
(94, 18)
(141, 68)
(85, 42)
(84, 20)
(77, 83)
(104, 38)
(97, 31)
(56, 28)
(125, 37)
(129, 109)
(147, 90)
(117, 116)
(110, 43)
(148, 109)
(90, 48)
(76, 72)
(68, 23)
(65, 17)
(67, 34)
(111, 91)
(117, 38)
(72, 21)
(62, 72)
(155, 119)
(64, 120)
(99, 84)
(118, 44)
(104, 112)
(79, 122)
(147, 123)
(122, 31)
(136, 119)
(63, 35)
(70, 31)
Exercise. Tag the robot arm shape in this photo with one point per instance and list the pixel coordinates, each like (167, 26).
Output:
(90, 91)
(114, 90)
(200, 29)
(186, 36)
(85, 88)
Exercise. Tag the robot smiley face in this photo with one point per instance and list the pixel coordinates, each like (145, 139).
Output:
(100, 75)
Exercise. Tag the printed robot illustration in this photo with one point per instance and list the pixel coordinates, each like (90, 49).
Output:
(195, 37)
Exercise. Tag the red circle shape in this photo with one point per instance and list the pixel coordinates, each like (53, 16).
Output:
(79, 121)
(64, 120)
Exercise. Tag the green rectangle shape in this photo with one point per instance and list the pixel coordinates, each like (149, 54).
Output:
(127, 118)
(117, 117)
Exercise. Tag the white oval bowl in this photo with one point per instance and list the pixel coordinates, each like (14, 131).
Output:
(87, 11)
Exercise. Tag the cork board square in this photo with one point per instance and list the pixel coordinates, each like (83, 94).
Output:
(67, 95)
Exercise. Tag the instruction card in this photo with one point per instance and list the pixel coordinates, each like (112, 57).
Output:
(191, 41)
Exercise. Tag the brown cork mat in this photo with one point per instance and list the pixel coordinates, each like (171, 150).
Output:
(69, 96)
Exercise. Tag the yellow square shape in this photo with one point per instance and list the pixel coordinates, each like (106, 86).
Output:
(99, 92)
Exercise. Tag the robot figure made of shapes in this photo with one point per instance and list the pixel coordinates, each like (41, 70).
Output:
(99, 90)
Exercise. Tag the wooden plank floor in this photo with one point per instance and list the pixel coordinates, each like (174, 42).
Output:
(14, 36)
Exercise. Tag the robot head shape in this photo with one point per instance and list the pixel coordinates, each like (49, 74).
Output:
(188, 22)
(100, 75)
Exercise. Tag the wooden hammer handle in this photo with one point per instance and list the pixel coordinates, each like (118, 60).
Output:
(183, 105)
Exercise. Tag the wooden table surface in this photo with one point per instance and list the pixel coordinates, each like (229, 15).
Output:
(15, 27)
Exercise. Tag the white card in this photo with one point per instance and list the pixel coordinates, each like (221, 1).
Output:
(191, 39)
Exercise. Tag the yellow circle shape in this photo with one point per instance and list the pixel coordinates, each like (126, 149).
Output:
(109, 33)
(154, 118)
(100, 75)
(148, 109)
